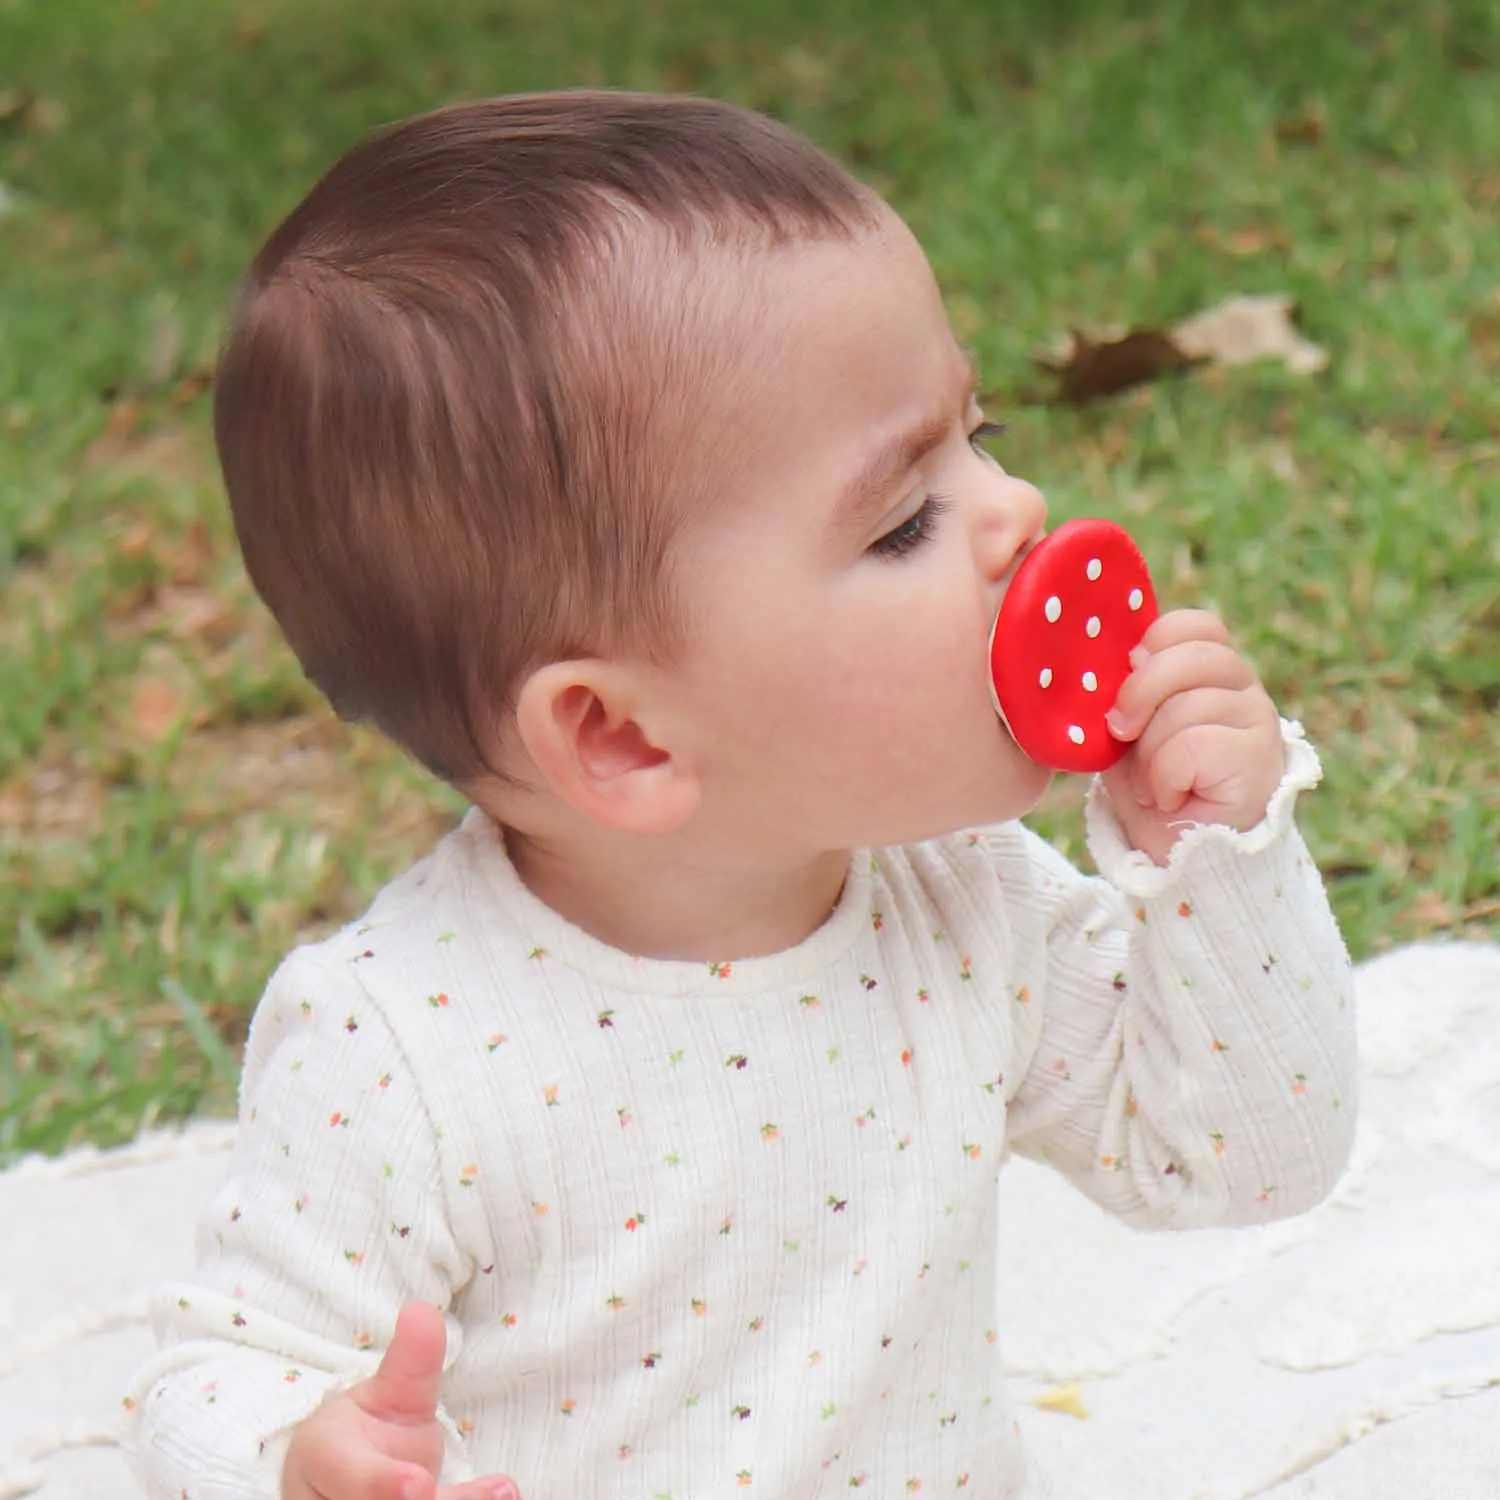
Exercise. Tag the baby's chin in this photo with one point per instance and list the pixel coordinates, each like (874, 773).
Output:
(1023, 785)
(1016, 792)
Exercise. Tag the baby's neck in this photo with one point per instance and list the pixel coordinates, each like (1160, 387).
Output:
(644, 902)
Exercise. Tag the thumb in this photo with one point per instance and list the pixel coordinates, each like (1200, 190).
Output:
(406, 1385)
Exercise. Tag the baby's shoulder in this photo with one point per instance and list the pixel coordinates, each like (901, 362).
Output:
(1002, 870)
(437, 930)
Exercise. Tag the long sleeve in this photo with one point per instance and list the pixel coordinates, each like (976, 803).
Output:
(1191, 1058)
(331, 1218)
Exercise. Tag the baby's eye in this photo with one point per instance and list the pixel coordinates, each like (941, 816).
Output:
(982, 432)
(914, 532)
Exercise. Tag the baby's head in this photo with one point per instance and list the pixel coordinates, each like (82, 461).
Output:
(630, 431)
(461, 410)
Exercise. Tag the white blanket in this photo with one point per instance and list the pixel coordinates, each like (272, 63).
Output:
(1351, 1354)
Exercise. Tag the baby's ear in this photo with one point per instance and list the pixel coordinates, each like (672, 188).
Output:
(586, 728)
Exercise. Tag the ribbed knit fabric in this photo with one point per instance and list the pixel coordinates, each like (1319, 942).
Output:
(703, 1229)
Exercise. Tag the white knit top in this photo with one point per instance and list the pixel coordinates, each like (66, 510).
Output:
(709, 1229)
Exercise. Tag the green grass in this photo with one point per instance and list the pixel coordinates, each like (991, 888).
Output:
(175, 806)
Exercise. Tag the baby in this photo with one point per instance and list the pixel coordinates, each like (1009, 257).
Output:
(613, 455)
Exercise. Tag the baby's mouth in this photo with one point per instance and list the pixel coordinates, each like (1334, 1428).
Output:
(1022, 553)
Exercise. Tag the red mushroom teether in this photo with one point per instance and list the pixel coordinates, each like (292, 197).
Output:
(1079, 604)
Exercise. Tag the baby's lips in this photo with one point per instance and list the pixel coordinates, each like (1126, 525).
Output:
(1060, 647)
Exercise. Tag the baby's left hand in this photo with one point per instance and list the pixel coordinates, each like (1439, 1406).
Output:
(1206, 735)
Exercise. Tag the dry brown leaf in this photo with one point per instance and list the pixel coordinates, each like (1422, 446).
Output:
(1243, 329)
(1089, 368)
(191, 386)
(1248, 240)
(155, 709)
(119, 427)
(138, 540)
(1432, 909)
(1067, 1400)
(1235, 332)
(130, 603)
(1484, 331)
(1306, 127)
(174, 452)
(56, 796)
(249, 32)
(197, 614)
(14, 804)
(31, 112)
(189, 557)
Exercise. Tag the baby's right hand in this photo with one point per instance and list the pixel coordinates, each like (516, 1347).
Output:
(380, 1440)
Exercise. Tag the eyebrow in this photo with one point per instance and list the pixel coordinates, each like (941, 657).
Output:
(871, 484)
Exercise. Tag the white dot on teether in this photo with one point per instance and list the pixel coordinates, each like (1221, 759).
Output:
(1054, 609)
(1136, 599)
(1075, 733)
(1094, 569)
(1090, 682)
(1092, 627)
(1045, 678)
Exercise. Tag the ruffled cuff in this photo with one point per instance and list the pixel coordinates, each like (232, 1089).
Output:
(215, 1419)
(1138, 875)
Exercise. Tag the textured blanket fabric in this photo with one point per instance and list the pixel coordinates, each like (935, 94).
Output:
(1352, 1352)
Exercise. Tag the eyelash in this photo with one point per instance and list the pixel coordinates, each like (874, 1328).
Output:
(915, 531)
(918, 528)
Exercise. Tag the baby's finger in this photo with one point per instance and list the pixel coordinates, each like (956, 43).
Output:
(1178, 669)
(493, 1488)
(406, 1386)
(1185, 625)
(347, 1471)
(1126, 783)
(1180, 769)
(1232, 708)
(405, 1482)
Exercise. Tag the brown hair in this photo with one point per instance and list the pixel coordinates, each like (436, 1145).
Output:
(435, 449)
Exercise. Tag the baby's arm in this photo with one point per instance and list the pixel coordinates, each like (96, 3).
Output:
(1189, 1058)
(333, 1217)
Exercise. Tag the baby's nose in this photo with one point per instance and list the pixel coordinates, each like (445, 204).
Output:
(1014, 517)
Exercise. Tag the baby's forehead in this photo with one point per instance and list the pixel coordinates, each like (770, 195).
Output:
(782, 369)
(718, 310)
(661, 283)
(678, 329)
(724, 362)
(726, 267)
